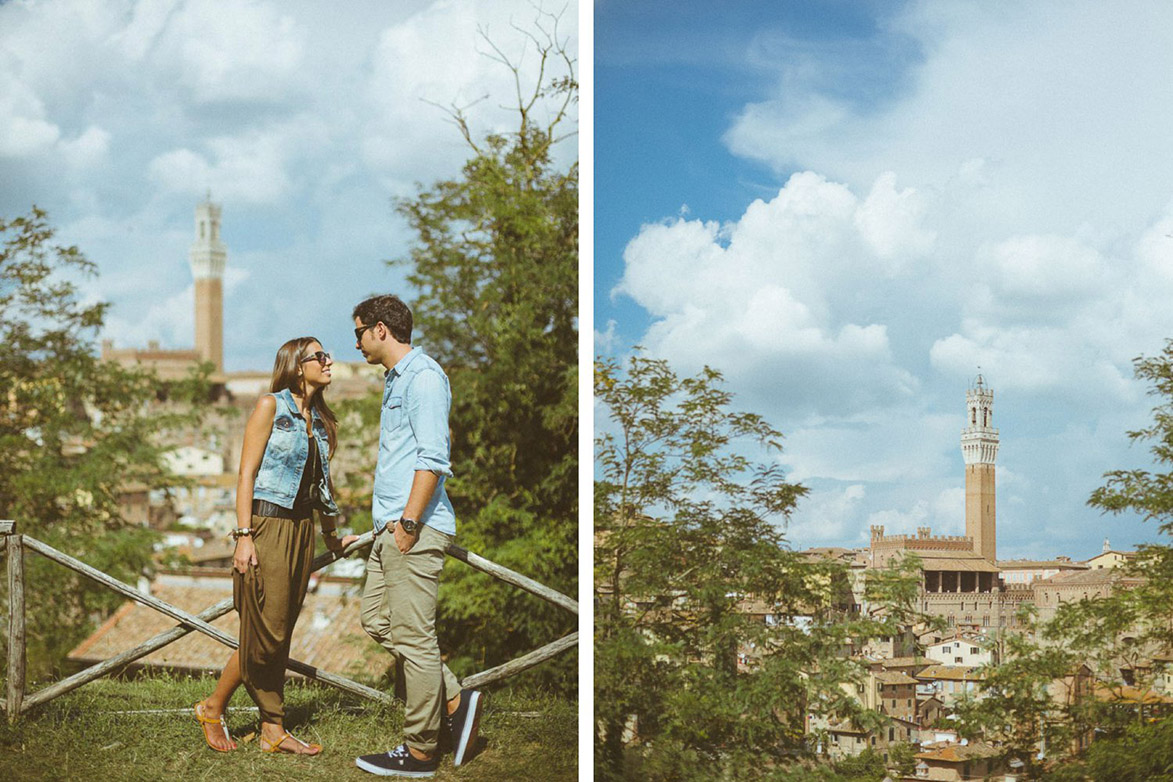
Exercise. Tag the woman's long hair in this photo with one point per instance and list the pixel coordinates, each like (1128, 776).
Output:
(286, 375)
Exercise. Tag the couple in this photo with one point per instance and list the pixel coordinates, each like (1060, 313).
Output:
(284, 478)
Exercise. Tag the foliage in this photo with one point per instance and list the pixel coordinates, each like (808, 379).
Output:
(713, 641)
(358, 438)
(75, 432)
(902, 758)
(1144, 753)
(496, 264)
(866, 765)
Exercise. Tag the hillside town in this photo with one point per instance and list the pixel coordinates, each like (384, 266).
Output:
(970, 601)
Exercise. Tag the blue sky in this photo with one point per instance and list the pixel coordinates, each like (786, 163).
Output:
(304, 120)
(851, 207)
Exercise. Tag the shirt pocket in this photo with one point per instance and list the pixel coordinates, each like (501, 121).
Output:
(393, 413)
(285, 433)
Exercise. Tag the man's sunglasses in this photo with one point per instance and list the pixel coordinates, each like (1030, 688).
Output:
(359, 331)
(321, 356)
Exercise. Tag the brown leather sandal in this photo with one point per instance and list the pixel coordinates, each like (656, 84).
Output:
(218, 722)
(274, 747)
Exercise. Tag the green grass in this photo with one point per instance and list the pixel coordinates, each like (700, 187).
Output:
(80, 736)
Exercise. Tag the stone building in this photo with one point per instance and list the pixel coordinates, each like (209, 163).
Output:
(1072, 587)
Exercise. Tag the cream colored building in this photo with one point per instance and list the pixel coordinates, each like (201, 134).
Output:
(1110, 558)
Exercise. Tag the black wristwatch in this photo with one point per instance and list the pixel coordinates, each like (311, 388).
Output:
(410, 526)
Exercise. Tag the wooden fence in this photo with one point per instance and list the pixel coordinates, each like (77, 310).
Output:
(18, 701)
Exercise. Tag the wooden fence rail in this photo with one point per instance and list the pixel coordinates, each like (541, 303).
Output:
(18, 701)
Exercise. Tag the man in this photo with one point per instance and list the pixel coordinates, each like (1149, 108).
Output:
(414, 523)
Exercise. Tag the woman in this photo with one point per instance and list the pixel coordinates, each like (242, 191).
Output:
(284, 478)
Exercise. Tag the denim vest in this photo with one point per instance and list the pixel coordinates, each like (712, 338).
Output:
(286, 453)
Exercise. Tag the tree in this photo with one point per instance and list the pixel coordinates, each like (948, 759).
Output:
(74, 432)
(1018, 708)
(496, 264)
(713, 641)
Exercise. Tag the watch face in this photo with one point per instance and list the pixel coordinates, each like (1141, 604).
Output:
(409, 525)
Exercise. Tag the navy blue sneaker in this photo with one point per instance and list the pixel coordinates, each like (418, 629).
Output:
(399, 762)
(463, 725)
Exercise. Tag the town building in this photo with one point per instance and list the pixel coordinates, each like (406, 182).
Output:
(1024, 572)
(963, 649)
(1110, 558)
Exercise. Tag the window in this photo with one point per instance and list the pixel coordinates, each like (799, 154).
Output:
(958, 659)
(974, 650)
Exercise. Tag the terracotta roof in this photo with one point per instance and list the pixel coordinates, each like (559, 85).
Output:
(1096, 577)
(907, 662)
(966, 638)
(965, 561)
(847, 727)
(959, 753)
(894, 677)
(950, 672)
(1126, 694)
(1025, 564)
(328, 633)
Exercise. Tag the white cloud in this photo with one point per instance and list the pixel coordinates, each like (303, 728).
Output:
(944, 514)
(760, 298)
(892, 445)
(88, 149)
(23, 127)
(240, 50)
(156, 321)
(410, 88)
(891, 220)
(1055, 98)
(606, 341)
(1043, 269)
(253, 167)
(827, 517)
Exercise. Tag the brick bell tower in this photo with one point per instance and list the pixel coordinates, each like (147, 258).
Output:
(979, 447)
(208, 256)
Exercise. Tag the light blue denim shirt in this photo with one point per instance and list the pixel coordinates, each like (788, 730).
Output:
(413, 436)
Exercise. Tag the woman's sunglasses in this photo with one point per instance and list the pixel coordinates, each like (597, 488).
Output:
(320, 356)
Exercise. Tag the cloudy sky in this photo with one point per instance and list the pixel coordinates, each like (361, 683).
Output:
(850, 207)
(303, 119)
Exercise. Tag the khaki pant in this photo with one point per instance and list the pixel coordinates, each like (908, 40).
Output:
(268, 598)
(399, 611)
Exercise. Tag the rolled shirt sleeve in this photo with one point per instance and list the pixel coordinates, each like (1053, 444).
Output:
(428, 401)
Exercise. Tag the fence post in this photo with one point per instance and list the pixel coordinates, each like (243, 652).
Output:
(14, 552)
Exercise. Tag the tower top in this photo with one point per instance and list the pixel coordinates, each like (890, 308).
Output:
(979, 439)
(208, 254)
